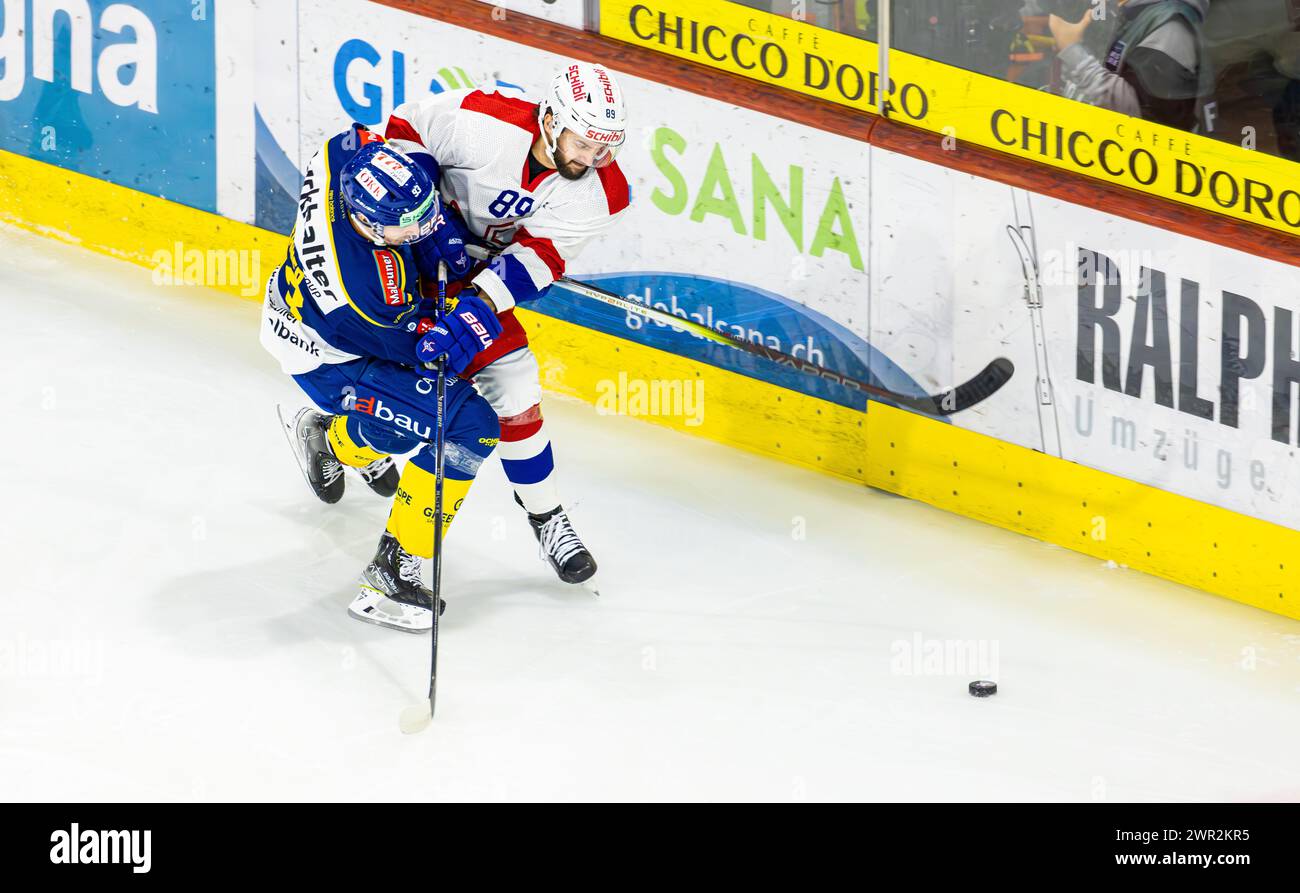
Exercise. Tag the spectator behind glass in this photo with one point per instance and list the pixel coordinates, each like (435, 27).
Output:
(977, 35)
(1256, 52)
(1151, 62)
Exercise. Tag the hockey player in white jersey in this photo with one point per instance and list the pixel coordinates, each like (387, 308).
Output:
(535, 182)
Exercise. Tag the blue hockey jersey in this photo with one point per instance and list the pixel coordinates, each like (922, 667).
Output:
(338, 296)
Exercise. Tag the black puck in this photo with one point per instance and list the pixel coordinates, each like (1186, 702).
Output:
(983, 689)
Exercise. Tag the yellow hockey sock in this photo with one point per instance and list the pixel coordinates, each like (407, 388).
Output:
(411, 518)
(348, 451)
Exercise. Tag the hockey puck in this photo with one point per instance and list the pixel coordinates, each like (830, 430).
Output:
(983, 689)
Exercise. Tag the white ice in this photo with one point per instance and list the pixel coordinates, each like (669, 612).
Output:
(173, 620)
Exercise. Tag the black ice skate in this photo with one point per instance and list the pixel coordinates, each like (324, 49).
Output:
(392, 594)
(381, 476)
(560, 546)
(306, 434)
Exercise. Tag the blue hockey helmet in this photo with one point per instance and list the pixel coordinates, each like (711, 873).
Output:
(390, 197)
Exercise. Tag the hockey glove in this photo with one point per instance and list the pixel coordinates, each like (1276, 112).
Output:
(445, 243)
(461, 335)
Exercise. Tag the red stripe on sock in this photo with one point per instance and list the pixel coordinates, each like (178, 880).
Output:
(522, 426)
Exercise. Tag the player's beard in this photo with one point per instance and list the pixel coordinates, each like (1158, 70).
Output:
(568, 168)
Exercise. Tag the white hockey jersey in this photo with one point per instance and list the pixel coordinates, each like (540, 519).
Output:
(480, 143)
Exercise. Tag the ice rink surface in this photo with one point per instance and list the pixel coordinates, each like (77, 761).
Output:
(173, 621)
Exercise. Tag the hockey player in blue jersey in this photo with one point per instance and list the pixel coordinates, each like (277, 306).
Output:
(345, 317)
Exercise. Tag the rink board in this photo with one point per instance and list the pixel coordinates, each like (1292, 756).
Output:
(963, 471)
(1212, 175)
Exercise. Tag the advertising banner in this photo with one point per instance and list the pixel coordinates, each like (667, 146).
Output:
(1144, 353)
(1214, 175)
(121, 91)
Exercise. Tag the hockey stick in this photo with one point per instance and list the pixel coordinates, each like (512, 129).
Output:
(964, 396)
(440, 440)
(415, 719)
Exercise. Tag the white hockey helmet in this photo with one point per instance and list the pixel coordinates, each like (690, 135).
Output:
(585, 99)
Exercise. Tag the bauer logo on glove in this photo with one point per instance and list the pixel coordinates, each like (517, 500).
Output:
(479, 329)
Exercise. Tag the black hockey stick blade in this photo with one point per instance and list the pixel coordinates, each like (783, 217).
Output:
(984, 385)
(964, 396)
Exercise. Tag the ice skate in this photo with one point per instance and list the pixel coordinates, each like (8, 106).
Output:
(392, 593)
(305, 432)
(560, 545)
(381, 476)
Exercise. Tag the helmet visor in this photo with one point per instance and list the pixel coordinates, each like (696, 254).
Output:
(593, 148)
(412, 227)
(402, 235)
(396, 234)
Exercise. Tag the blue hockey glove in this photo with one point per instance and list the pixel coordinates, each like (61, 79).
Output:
(446, 243)
(461, 335)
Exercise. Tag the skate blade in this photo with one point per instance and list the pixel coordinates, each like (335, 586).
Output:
(290, 428)
(372, 606)
(590, 586)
